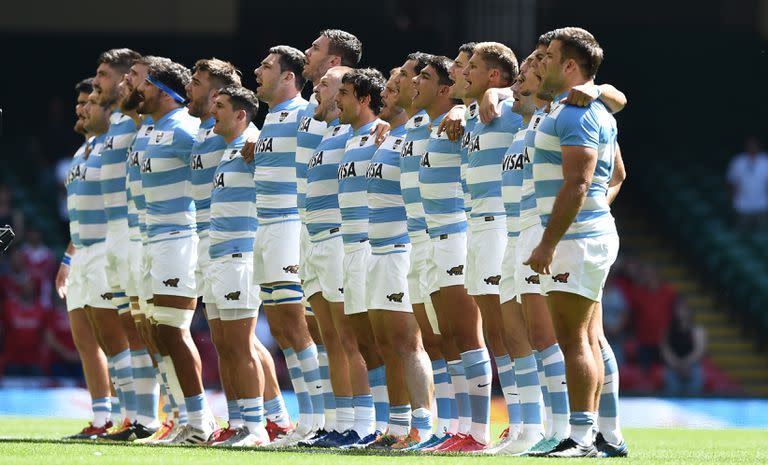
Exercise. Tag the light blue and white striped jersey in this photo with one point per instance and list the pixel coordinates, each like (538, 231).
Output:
(440, 184)
(387, 223)
(566, 125)
(512, 181)
(206, 154)
(416, 140)
(135, 186)
(73, 178)
(121, 133)
(322, 201)
(165, 175)
(471, 118)
(529, 213)
(353, 191)
(233, 204)
(91, 215)
(275, 157)
(134, 232)
(308, 137)
(486, 152)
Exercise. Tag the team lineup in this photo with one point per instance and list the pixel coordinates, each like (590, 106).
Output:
(398, 230)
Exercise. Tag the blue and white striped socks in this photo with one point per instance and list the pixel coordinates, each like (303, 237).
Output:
(252, 411)
(365, 414)
(608, 411)
(544, 395)
(377, 380)
(461, 393)
(234, 416)
(147, 389)
(198, 413)
(300, 389)
(276, 411)
(345, 413)
(421, 419)
(554, 373)
(329, 400)
(102, 410)
(443, 397)
(310, 368)
(527, 379)
(582, 427)
(506, 368)
(399, 420)
(477, 366)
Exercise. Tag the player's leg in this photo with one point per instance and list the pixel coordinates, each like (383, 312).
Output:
(234, 417)
(376, 374)
(278, 422)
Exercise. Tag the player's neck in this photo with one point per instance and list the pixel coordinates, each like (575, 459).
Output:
(135, 116)
(366, 116)
(283, 95)
(398, 120)
(233, 135)
(468, 101)
(439, 107)
(205, 117)
(570, 83)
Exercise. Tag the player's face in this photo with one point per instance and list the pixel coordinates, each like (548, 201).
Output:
(318, 60)
(82, 99)
(552, 69)
(268, 77)
(404, 84)
(325, 92)
(389, 97)
(95, 114)
(123, 93)
(427, 87)
(530, 80)
(477, 77)
(199, 94)
(149, 96)
(456, 72)
(349, 105)
(225, 116)
(105, 82)
(135, 76)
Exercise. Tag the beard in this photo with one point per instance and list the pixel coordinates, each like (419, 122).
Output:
(131, 101)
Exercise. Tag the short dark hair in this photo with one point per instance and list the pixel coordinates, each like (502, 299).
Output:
(174, 75)
(293, 60)
(221, 73)
(147, 60)
(241, 99)
(545, 39)
(441, 64)
(345, 45)
(421, 59)
(581, 46)
(468, 48)
(86, 85)
(118, 58)
(499, 56)
(367, 82)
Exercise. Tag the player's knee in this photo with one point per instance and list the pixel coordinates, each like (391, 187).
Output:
(174, 317)
(287, 294)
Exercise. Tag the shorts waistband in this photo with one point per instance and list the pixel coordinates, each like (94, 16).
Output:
(325, 235)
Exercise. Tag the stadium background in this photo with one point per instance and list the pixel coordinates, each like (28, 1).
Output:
(694, 74)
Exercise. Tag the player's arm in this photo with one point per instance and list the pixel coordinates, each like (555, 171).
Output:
(489, 104)
(62, 276)
(249, 149)
(618, 176)
(453, 123)
(380, 131)
(584, 94)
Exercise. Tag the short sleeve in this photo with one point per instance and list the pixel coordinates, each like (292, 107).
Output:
(578, 127)
(182, 144)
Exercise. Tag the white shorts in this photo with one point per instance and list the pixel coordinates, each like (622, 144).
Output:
(172, 266)
(231, 282)
(97, 293)
(135, 287)
(527, 281)
(449, 259)
(276, 253)
(146, 274)
(581, 266)
(75, 298)
(507, 288)
(304, 244)
(117, 245)
(355, 270)
(201, 270)
(484, 255)
(418, 274)
(387, 286)
(323, 265)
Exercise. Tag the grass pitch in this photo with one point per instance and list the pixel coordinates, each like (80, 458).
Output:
(33, 441)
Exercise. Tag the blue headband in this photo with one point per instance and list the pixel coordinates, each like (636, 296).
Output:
(166, 89)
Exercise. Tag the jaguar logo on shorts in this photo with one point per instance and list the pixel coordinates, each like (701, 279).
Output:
(293, 269)
(533, 279)
(456, 270)
(173, 282)
(398, 297)
(107, 296)
(561, 278)
(341, 289)
(233, 295)
(493, 280)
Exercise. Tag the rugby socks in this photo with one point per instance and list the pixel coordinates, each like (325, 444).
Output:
(377, 380)
(118, 404)
(102, 410)
(147, 389)
(461, 392)
(300, 389)
(365, 415)
(124, 375)
(422, 421)
(506, 369)
(608, 411)
(477, 366)
(399, 420)
(252, 410)
(198, 414)
(310, 368)
(345, 413)
(554, 373)
(329, 400)
(234, 417)
(276, 411)
(174, 390)
(443, 397)
(544, 395)
(527, 380)
(582, 427)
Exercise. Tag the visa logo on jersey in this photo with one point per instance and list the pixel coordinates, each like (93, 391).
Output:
(264, 145)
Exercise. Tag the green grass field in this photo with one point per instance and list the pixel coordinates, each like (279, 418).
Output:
(27, 441)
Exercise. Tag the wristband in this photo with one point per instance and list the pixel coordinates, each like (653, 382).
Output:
(66, 260)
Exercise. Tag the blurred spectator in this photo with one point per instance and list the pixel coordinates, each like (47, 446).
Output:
(748, 181)
(40, 263)
(8, 214)
(615, 317)
(23, 327)
(64, 358)
(683, 350)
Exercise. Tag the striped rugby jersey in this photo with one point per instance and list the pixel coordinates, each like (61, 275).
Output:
(71, 183)
(471, 119)
(91, 215)
(233, 203)
(387, 221)
(206, 154)
(440, 183)
(275, 157)
(309, 135)
(353, 197)
(120, 134)
(416, 140)
(565, 125)
(529, 213)
(486, 151)
(512, 181)
(135, 186)
(323, 215)
(165, 175)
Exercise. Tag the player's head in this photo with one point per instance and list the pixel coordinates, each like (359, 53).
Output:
(96, 115)
(492, 65)
(208, 76)
(135, 76)
(280, 73)
(413, 65)
(390, 110)
(233, 108)
(325, 92)
(359, 96)
(333, 47)
(163, 88)
(110, 67)
(433, 83)
(525, 88)
(541, 49)
(573, 57)
(457, 69)
(82, 89)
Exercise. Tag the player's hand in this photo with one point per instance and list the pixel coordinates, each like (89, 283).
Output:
(489, 105)
(381, 131)
(541, 258)
(581, 95)
(453, 123)
(249, 149)
(62, 281)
